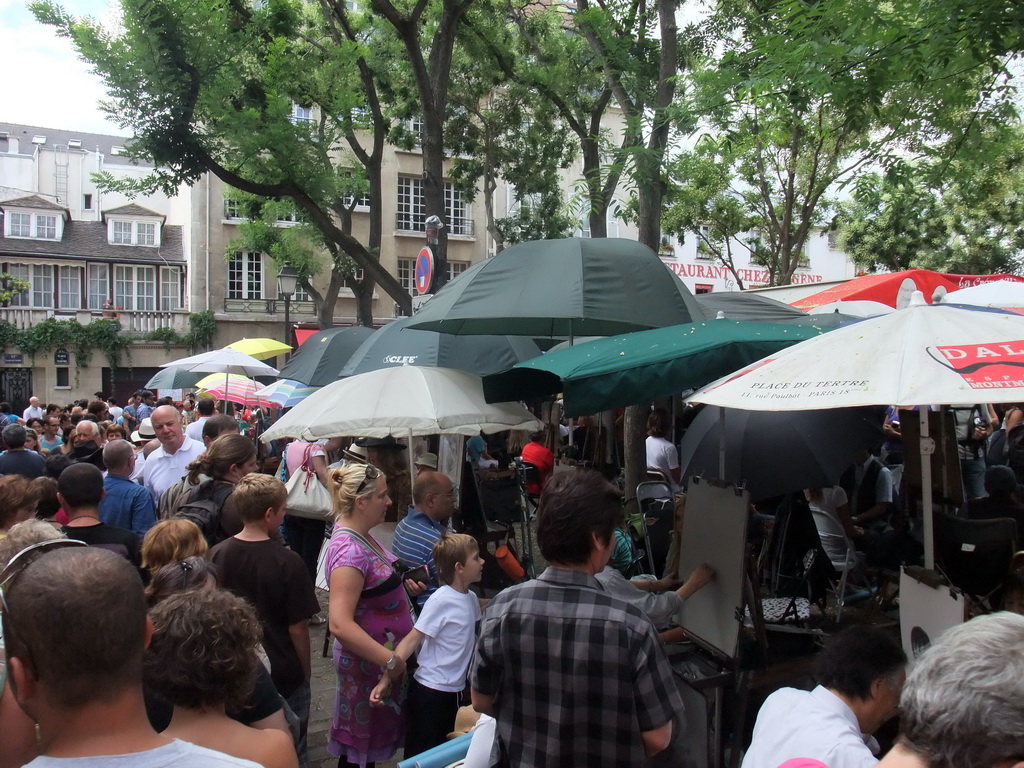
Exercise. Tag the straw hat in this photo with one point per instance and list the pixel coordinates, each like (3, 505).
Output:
(428, 460)
(144, 432)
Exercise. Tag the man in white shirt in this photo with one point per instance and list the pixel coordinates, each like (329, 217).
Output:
(169, 463)
(860, 675)
(205, 410)
(34, 411)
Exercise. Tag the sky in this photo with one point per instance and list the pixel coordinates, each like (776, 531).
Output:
(51, 86)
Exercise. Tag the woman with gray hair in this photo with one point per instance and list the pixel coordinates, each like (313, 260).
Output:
(963, 703)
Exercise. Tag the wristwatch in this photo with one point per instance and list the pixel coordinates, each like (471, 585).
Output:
(392, 662)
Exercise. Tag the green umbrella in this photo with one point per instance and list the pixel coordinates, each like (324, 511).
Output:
(569, 287)
(639, 367)
(174, 378)
(319, 359)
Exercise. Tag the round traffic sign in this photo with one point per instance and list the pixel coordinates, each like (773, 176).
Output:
(424, 270)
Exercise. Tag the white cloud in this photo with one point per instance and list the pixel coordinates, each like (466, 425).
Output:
(54, 89)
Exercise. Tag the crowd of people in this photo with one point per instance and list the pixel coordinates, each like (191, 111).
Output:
(160, 616)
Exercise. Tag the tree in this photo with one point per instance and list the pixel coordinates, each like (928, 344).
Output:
(965, 215)
(218, 89)
(804, 96)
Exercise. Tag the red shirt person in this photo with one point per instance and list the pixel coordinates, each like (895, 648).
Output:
(542, 458)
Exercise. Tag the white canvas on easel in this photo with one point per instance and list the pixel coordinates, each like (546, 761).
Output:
(926, 613)
(715, 532)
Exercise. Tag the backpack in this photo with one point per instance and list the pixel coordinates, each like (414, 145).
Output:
(996, 448)
(203, 505)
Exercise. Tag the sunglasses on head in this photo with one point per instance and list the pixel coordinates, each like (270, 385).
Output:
(372, 473)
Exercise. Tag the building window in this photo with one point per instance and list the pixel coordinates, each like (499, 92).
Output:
(301, 294)
(414, 125)
(87, 202)
(703, 249)
(456, 212)
(21, 272)
(63, 378)
(170, 289)
(456, 268)
(145, 234)
(245, 276)
(301, 114)
(19, 225)
(703, 288)
(97, 285)
(42, 286)
(123, 232)
(407, 275)
(46, 227)
(232, 209)
(410, 205)
(70, 288)
(37, 225)
(412, 213)
(135, 288)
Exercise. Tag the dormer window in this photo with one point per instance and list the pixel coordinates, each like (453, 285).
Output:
(132, 232)
(34, 225)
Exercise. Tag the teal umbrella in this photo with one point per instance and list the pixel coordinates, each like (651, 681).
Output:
(567, 288)
(639, 367)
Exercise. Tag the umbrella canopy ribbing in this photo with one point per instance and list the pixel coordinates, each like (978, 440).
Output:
(397, 344)
(562, 288)
(261, 348)
(772, 453)
(408, 400)
(320, 358)
(638, 367)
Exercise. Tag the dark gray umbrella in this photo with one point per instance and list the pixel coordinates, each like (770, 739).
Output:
(320, 358)
(569, 287)
(772, 452)
(740, 305)
(397, 344)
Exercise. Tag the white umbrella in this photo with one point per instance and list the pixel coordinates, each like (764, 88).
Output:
(921, 355)
(404, 401)
(226, 361)
(860, 308)
(223, 361)
(1005, 294)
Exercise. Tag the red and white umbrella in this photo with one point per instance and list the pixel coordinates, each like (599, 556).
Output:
(232, 387)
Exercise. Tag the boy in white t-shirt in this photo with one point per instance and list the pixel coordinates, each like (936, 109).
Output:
(445, 634)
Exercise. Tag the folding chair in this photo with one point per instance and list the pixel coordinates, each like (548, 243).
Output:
(657, 512)
(975, 555)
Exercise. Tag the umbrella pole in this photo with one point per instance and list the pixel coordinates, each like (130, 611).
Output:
(408, 453)
(721, 443)
(927, 448)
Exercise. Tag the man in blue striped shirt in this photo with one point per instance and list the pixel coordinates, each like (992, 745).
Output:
(433, 498)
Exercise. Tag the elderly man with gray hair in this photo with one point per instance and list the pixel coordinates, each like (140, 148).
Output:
(963, 703)
(126, 504)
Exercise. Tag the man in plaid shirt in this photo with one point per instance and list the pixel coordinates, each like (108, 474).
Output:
(573, 675)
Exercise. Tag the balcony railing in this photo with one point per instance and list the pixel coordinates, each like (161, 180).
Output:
(132, 321)
(268, 306)
(457, 227)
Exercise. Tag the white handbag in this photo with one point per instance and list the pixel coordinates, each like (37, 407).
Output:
(307, 496)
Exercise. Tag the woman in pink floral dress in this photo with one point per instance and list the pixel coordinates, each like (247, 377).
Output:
(369, 613)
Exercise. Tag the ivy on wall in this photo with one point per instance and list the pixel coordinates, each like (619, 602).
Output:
(102, 334)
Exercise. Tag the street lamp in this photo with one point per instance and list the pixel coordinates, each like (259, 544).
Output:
(287, 280)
